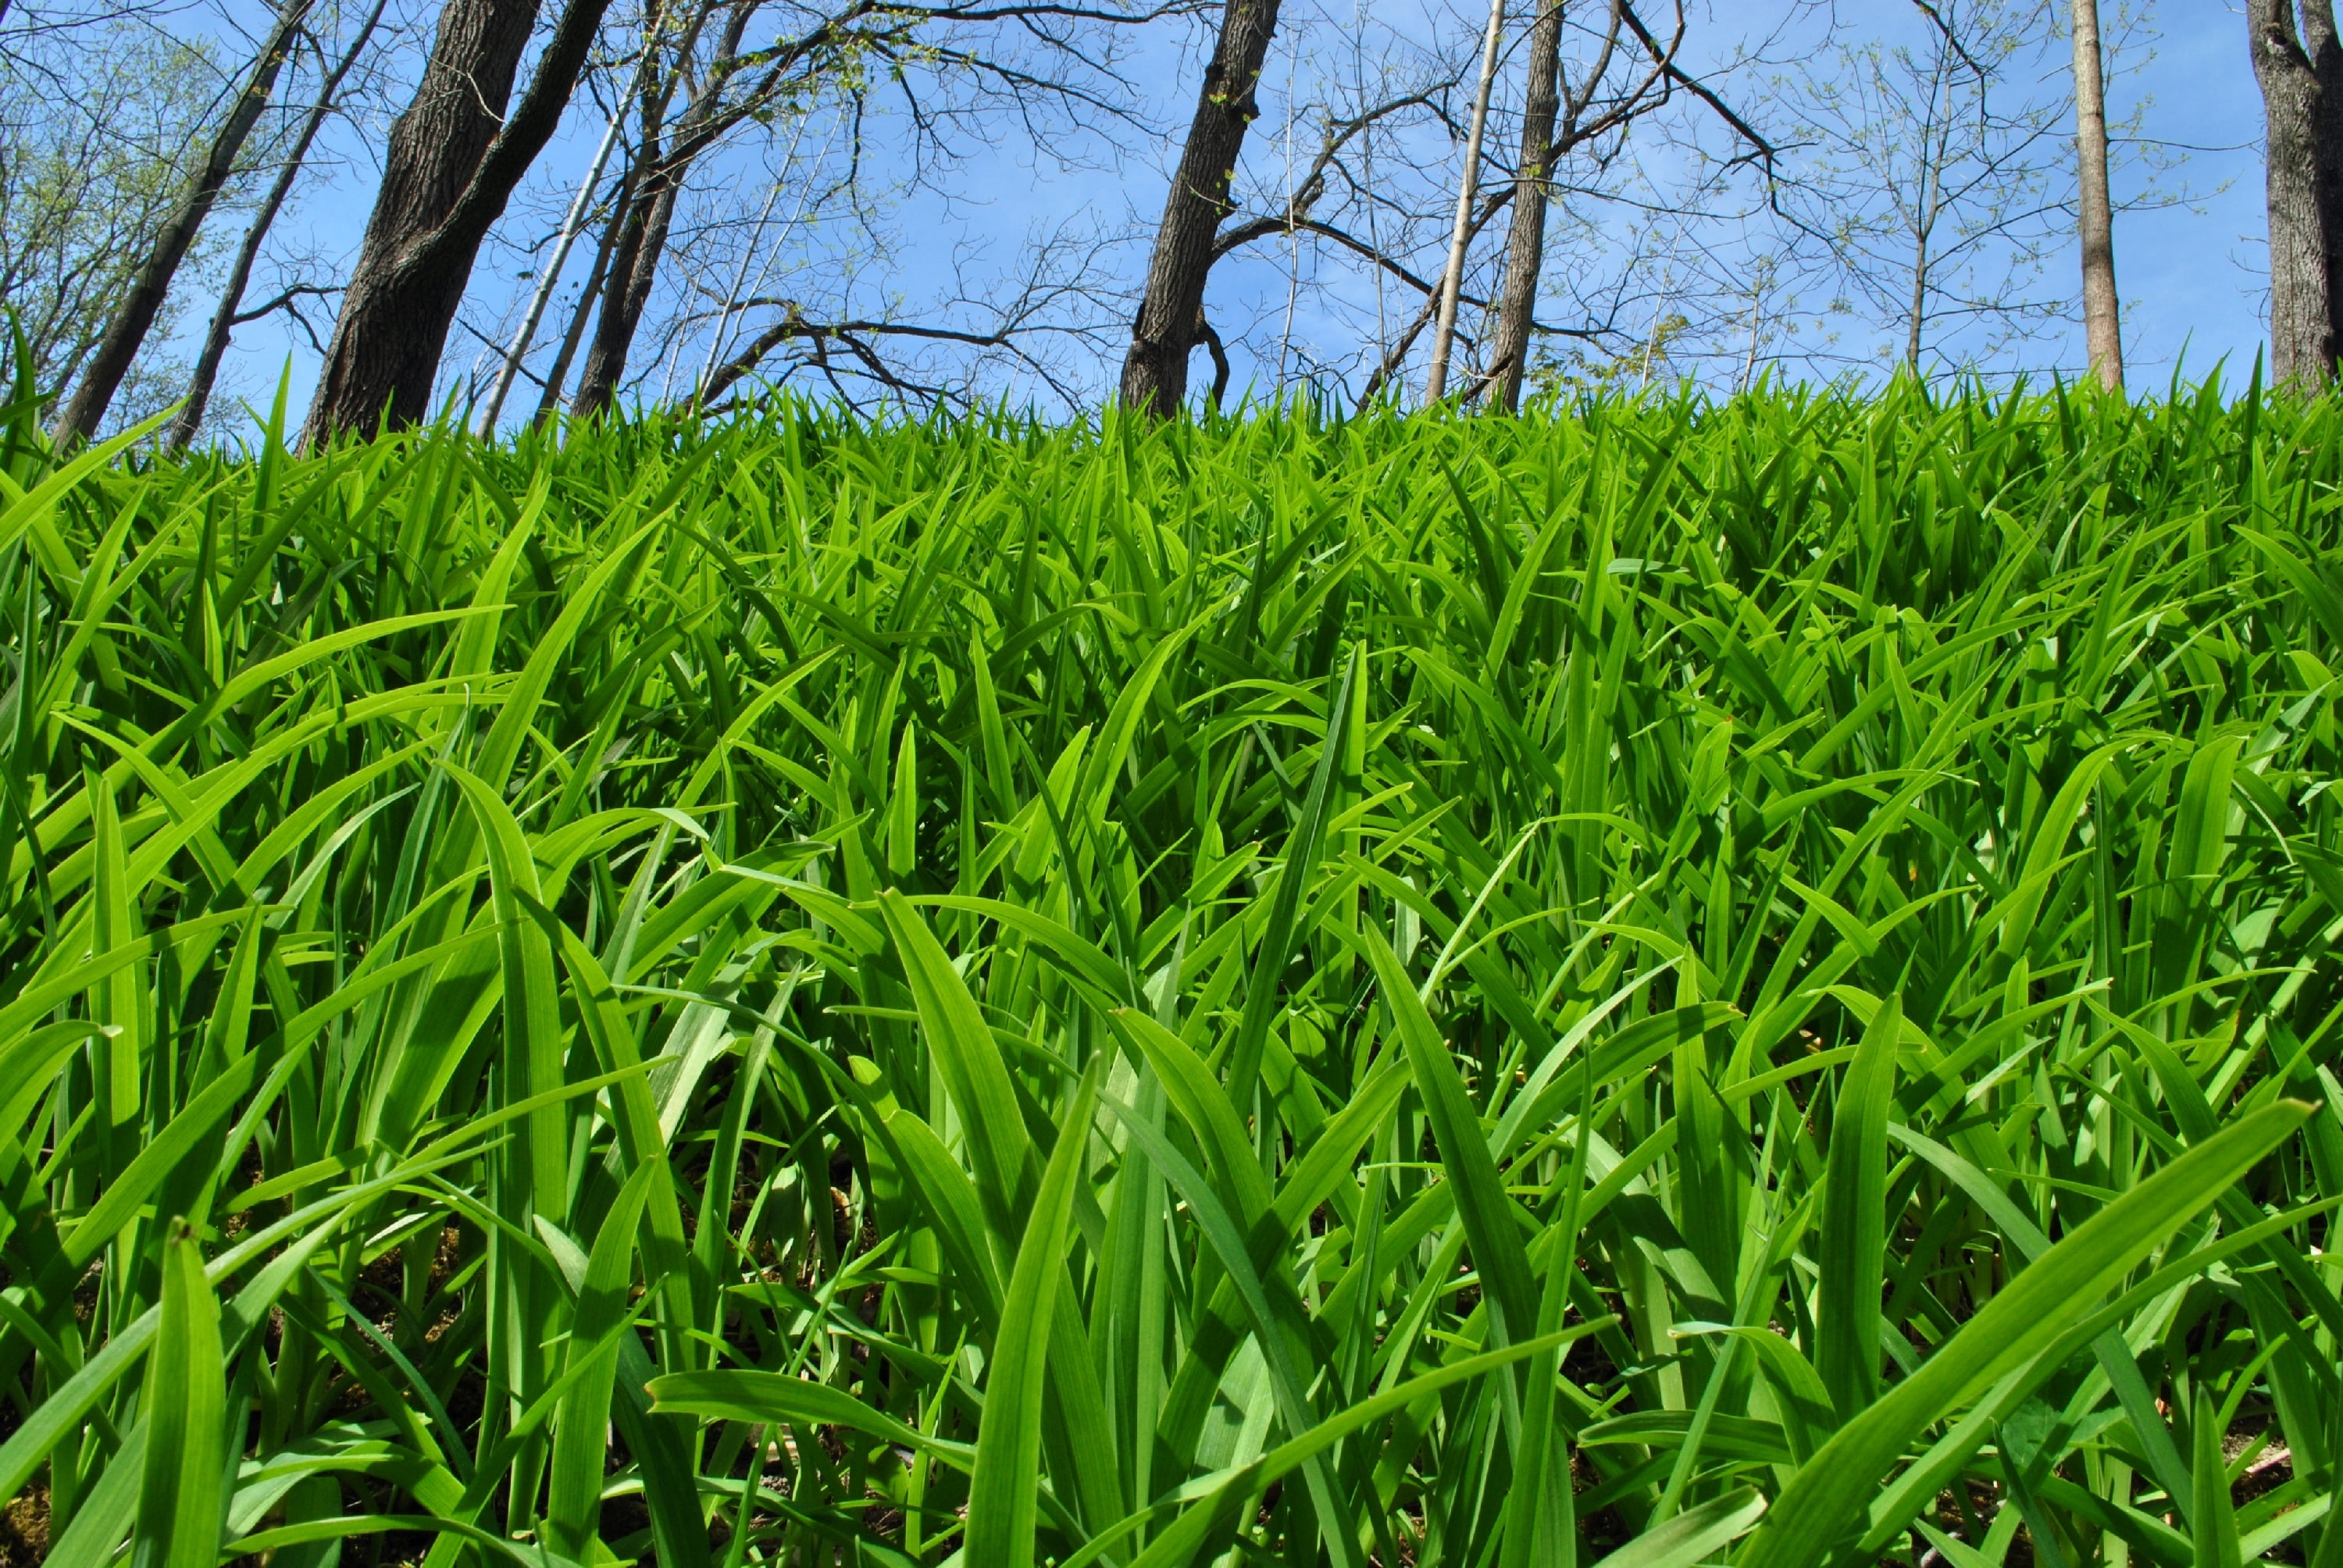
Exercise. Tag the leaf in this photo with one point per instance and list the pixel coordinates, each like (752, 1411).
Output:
(1001, 1506)
(182, 1498)
(1854, 1243)
(2023, 1320)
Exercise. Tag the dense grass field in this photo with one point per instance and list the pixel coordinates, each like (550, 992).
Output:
(1671, 983)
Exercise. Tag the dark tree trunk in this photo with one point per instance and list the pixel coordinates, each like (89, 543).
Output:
(588, 294)
(2325, 52)
(127, 333)
(450, 170)
(634, 267)
(1525, 246)
(655, 183)
(2302, 323)
(225, 320)
(1155, 371)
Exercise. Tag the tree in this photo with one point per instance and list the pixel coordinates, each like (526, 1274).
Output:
(2102, 315)
(645, 211)
(1468, 183)
(135, 316)
(845, 51)
(1933, 188)
(1558, 120)
(93, 133)
(455, 158)
(2299, 180)
(231, 313)
(1170, 323)
(1525, 245)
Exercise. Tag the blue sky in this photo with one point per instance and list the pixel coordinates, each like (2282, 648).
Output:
(2191, 275)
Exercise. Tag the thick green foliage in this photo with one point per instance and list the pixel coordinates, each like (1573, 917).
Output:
(1691, 983)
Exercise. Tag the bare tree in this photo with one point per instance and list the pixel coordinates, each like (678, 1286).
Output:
(1932, 185)
(2102, 314)
(1525, 245)
(1171, 320)
(231, 313)
(94, 130)
(455, 158)
(550, 275)
(850, 48)
(127, 333)
(1468, 183)
(2302, 314)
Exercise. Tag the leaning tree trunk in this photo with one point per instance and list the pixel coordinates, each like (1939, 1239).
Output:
(634, 267)
(648, 210)
(2102, 319)
(550, 402)
(2302, 321)
(1525, 246)
(127, 333)
(225, 320)
(451, 168)
(1155, 371)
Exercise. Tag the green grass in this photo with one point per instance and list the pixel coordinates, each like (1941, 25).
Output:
(1676, 984)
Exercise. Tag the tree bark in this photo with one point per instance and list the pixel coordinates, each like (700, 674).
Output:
(1452, 279)
(549, 277)
(225, 320)
(451, 169)
(579, 317)
(2325, 52)
(634, 267)
(1525, 245)
(1155, 370)
(2102, 319)
(127, 333)
(2302, 320)
(648, 208)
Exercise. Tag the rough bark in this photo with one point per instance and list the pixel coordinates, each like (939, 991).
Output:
(648, 209)
(2302, 320)
(451, 169)
(1155, 370)
(634, 267)
(2325, 52)
(226, 320)
(2102, 319)
(127, 333)
(1525, 245)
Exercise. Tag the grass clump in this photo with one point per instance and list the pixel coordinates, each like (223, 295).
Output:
(1686, 982)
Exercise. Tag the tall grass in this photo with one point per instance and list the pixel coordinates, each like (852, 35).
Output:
(1676, 984)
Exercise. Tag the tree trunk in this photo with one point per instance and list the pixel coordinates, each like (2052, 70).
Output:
(549, 277)
(450, 170)
(2325, 52)
(2302, 321)
(1525, 246)
(634, 267)
(2102, 320)
(1155, 370)
(127, 333)
(1452, 279)
(225, 320)
(652, 186)
(588, 294)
